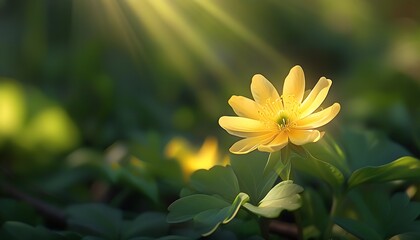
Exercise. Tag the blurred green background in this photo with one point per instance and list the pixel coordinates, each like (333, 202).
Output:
(83, 75)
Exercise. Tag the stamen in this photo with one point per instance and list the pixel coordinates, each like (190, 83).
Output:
(283, 121)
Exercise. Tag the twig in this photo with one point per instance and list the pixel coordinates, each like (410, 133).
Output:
(51, 212)
(284, 229)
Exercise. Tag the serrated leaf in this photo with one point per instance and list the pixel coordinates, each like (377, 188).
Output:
(385, 216)
(283, 196)
(400, 169)
(403, 215)
(217, 180)
(358, 229)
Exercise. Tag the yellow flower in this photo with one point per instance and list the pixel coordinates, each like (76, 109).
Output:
(190, 159)
(270, 121)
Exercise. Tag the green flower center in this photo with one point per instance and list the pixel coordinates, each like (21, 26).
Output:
(283, 121)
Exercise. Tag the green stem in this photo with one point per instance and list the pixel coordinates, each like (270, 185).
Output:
(280, 163)
(336, 203)
(285, 159)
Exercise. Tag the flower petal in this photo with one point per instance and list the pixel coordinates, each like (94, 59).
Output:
(249, 144)
(244, 107)
(262, 90)
(294, 84)
(300, 137)
(276, 144)
(243, 127)
(319, 119)
(315, 97)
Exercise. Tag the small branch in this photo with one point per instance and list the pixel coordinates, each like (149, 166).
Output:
(51, 212)
(284, 229)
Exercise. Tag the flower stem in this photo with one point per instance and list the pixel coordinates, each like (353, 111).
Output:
(336, 203)
(285, 159)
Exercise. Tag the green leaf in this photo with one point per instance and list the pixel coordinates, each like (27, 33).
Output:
(208, 204)
(141, 182)
(249, 171)
(367, 148)
(207, 212)
(240, 200)
(313, 213)
(358, 229)
(218, 180)
(377, 212)
(96, 220)
(208, 221)
(186, 208)
(150, 224)
(11, 210)
(329, 150)
(305, 162)
(406, 236)
(284, 195)
(22, 231)
(400, 169)
(403, 215)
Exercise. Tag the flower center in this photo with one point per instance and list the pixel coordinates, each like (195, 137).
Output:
(280, 113)
(283, 121)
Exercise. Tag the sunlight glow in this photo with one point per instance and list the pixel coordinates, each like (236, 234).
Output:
(241, 30)
(190, 159)
(51, 129)
(12, 108)
(178, 39)
(166, 11)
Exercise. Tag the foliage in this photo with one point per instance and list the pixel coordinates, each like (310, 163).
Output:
(209, 205)
(94, 93)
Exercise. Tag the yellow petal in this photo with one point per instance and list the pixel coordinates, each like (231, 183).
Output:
(318, 119)
(243, 127)
(262, 90)
(294, 84)
(249, 144)
(276, 144)
(300, 137)
(315, 97)
(244, 107)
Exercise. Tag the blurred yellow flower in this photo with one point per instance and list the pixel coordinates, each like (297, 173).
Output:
(270, 121)
(190, 159)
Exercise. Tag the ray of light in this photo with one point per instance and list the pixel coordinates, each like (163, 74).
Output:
(158, 33)
(195, 41)
(248, 36)
(109, 17)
